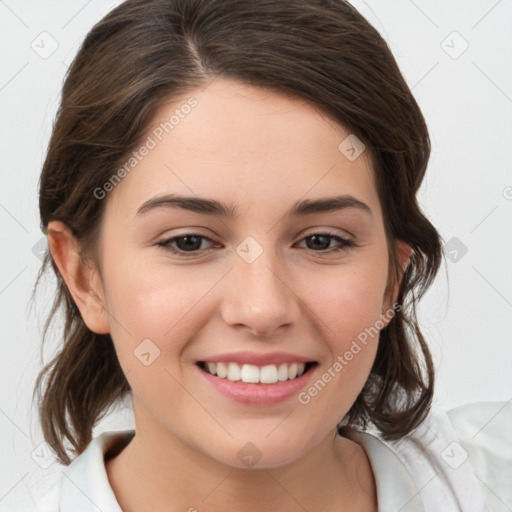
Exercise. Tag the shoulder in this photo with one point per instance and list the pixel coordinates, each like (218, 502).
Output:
(85, 480)
(454, 460)
(49, 502)
(484, 430)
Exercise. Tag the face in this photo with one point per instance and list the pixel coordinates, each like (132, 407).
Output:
(270, 280)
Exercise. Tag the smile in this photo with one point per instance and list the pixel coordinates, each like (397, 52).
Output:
(252, 374)
(257, 385)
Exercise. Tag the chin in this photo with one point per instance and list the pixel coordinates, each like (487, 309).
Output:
(262, 453)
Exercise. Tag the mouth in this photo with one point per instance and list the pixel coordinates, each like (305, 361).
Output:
(270, 374)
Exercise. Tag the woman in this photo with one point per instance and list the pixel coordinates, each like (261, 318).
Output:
(229, 196)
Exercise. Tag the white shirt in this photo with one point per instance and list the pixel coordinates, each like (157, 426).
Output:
(455, 461)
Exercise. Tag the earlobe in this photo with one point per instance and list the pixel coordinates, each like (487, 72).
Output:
(403, 254)
(82, 280)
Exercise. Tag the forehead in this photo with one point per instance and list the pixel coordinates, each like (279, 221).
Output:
(247, 145)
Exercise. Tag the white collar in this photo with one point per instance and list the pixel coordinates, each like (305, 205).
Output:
(84, 485)
(411, 474)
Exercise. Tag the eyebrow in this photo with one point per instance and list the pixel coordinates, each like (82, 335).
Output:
(219, 209)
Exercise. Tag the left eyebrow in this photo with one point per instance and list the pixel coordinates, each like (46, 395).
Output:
(219, 209)
(328, 204)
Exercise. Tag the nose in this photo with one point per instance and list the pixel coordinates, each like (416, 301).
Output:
(259, 296)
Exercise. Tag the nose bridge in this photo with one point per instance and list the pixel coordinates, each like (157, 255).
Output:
(259, 296)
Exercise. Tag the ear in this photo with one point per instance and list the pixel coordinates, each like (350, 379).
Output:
(403, 255)
(83, 281)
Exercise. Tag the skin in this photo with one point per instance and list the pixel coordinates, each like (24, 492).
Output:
(262, 152)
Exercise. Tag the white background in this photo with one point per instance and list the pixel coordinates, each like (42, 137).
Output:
(467, 102)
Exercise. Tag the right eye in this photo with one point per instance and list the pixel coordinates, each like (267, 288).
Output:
(187, 244)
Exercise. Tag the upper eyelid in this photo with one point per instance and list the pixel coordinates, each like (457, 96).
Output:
(307, 232)
(324, 232)
(344, 239)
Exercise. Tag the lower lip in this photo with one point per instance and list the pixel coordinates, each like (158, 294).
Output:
(257, 394)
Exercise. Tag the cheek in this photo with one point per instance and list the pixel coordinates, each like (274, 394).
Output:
(154, 303)
(347, 301)
(153, 316)
(348, 314)
(348, 307)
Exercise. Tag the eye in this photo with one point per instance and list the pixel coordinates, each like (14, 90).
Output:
(190, 244)
(320, 242)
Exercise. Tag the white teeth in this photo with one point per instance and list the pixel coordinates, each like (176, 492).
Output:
(249, 373)
(222, 370)
(282, 373)
(269, 374)
(234, 372)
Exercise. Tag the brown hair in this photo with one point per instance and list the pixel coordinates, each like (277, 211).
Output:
(145, 53)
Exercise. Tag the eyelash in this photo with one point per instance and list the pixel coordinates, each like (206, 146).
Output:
(345, 244)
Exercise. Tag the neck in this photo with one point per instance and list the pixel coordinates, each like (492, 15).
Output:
(159, 472)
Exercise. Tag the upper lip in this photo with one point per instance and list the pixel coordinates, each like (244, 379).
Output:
(257, 359)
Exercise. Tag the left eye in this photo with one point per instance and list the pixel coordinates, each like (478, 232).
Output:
(324, 241)
(190, 243)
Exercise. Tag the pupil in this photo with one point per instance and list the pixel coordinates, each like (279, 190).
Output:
(190, 243)
(318, 238)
